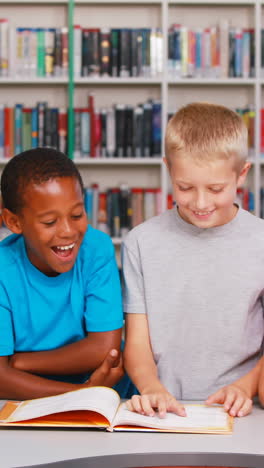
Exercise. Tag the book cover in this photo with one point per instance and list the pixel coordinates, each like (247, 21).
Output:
(77, 44)
(114, 67)
(105, 51)
(26, 128)
(57, 53)
(125, 52)
(94, 52)
(85, 132)
(120, 112)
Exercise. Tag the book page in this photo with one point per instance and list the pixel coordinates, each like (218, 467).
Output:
(102, 400)
(200, 418)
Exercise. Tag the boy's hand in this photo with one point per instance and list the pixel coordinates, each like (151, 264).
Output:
(109, 372)
(160, 401)
(235, 400)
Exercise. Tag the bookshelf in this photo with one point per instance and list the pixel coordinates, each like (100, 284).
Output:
(62, 91)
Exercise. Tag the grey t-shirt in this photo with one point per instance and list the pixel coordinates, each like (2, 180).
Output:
(202, 291)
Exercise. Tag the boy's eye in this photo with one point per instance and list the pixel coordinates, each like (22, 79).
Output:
(216, 190)
(77, 216)
(49, 223)
(184, 189)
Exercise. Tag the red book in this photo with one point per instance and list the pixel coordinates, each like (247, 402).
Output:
(62, 129)
(8, 132)
(169, 201)
(262, 131)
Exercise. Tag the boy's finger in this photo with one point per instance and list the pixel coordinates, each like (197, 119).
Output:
(146, 405)
(161, 406)
(109, 361)
(230, 399)
(246, 408)
(129, 405)
(136, 404)
(217, 397)
(238, 403)
(175, 407)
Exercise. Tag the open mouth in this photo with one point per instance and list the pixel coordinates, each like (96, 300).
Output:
(63, 250)
(203, 214)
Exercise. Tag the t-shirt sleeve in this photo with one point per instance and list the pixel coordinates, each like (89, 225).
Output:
(6, 327)
(133, 281)
(103, 301)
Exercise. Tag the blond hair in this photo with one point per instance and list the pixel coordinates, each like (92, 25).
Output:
(206, 132)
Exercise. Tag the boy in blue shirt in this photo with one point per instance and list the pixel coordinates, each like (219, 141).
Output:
(60, 298)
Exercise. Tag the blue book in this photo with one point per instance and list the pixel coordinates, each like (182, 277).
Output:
(177, 51)
(18, 128)
(88, 203)
(198, 52)
(238, 53)
(251, 202)
(34, 127)
(156, 128)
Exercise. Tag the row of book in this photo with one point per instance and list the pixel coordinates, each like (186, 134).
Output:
(119, 209)
(33, 52)
(117, 52)
(119, 131)
(215, 52)
(43, 52)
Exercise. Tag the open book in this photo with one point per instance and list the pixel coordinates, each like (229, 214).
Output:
(101, 408)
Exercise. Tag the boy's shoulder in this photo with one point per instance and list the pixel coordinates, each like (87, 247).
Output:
(9, 251)
(252, 225)
(156, 226)
(96, 243)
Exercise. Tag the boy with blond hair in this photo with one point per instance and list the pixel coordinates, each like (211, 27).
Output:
(194, 276)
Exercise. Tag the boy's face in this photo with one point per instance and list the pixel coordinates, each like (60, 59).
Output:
(53, 222)
(205, 192)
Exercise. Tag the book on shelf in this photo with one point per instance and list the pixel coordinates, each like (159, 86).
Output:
(219, 51)
(43, 51)
(101, 408)
(119, 209)
(120, 131)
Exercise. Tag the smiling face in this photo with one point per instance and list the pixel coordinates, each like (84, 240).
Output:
(205, 192)
(53, 222)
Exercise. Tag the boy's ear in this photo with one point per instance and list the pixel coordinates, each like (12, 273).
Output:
(243, 174)
(11, 221)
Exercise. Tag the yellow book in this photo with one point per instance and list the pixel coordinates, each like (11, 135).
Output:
(101, 408)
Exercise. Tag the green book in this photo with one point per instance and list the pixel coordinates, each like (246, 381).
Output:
(41, 52)
(26, 128)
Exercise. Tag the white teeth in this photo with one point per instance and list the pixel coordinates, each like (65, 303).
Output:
(65, 247)
(202, 214)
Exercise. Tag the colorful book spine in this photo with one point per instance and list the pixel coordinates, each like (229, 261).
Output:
(18, 128)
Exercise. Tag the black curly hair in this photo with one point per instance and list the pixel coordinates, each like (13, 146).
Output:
(36, 166)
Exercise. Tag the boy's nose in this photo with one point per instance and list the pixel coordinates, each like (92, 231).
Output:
(65, 228)
(201, 201)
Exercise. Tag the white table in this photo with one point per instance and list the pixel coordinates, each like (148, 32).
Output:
(58, 448)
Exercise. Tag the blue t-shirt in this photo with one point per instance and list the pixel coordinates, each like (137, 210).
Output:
(39, 313)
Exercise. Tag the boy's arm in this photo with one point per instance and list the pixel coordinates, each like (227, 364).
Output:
(237, 397)
(20, 385)
(76, 358)
(140, 365)
(261, 382)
